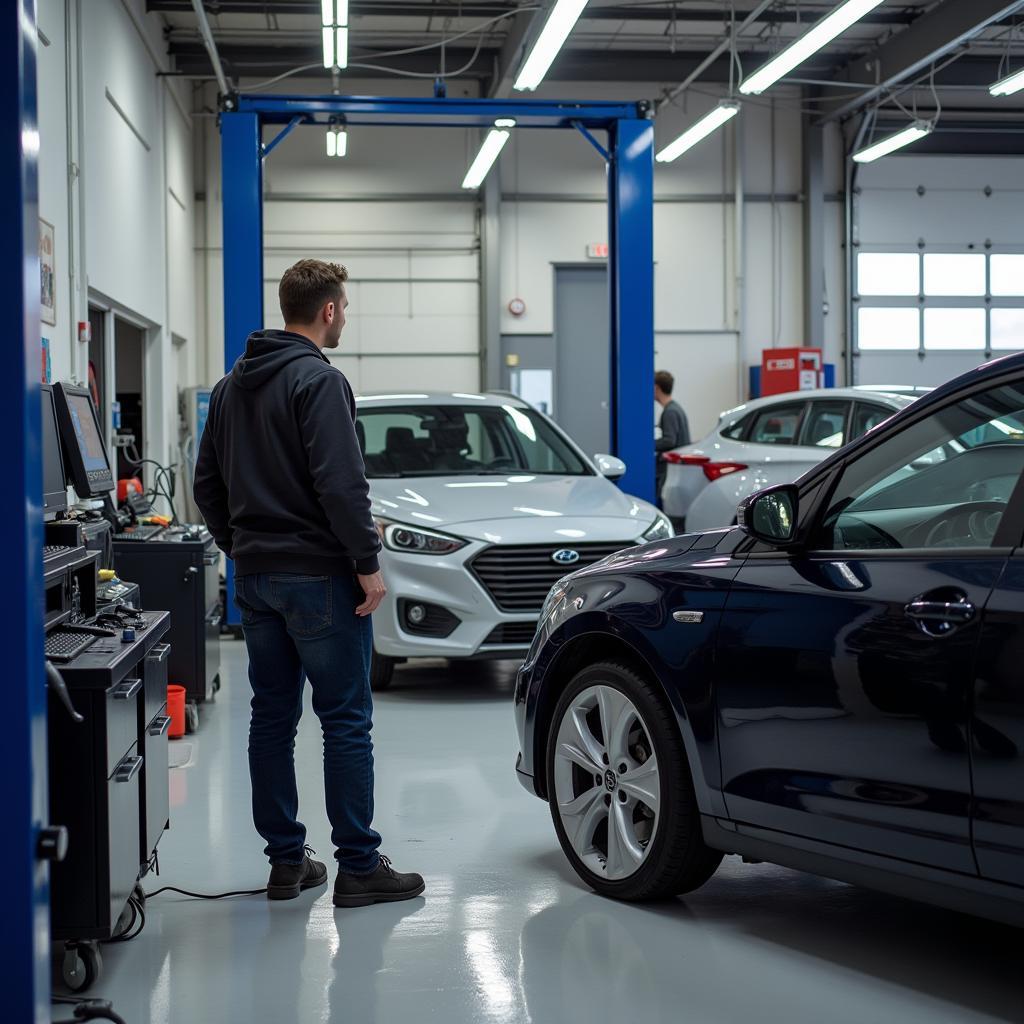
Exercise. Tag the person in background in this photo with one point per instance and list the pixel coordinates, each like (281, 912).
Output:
(675, 430)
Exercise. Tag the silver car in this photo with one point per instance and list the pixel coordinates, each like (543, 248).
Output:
(769, 441)
(483, 503)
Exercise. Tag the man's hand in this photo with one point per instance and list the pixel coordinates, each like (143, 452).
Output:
(374, 589)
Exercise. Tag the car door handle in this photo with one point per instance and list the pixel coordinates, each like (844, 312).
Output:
(940, 611)
(940, 618)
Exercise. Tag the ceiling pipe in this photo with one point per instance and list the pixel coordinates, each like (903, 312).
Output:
(715, 53)
(211, 47)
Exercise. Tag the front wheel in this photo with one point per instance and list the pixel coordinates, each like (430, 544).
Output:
(382, 669)
(620, 789)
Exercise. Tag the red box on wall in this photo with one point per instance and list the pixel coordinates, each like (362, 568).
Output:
(791, 369)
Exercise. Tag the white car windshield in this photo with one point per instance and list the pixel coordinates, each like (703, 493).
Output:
(453, 440)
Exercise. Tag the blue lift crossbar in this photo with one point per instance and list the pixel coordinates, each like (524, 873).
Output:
(630, 159)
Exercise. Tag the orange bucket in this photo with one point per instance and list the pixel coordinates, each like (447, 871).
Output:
(176, 709)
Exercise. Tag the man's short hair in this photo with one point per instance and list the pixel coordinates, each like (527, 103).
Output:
(307, 287)
(664, 380)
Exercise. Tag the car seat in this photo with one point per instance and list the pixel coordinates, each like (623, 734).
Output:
(404, 454)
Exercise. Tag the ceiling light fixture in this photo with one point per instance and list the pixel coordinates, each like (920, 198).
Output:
(918, 130)
(337, 138)
(1009, 85)
(809, 43)
(725, 111)
(561, 20)
(334, 32)
(493, 144)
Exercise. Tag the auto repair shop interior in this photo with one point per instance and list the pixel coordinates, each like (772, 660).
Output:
(686, 347)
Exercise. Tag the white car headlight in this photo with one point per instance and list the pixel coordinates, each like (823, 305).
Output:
(660, 529)
(414, 540)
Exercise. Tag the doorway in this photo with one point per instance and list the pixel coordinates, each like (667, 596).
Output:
(583, 355)
(129, 377)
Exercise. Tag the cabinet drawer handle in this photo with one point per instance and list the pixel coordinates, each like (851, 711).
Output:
(159, 653)
(127, 689)
(128, 769)
(159, 725)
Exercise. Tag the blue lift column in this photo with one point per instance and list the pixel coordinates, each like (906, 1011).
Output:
(631, 286)
(242, 196)
(26, 946)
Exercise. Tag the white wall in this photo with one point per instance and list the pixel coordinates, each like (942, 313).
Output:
(121, 198)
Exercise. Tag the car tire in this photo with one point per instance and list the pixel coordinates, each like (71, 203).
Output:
(382, 670)
(675, 857)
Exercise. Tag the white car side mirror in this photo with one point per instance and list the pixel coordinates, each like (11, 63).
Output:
(609, 466)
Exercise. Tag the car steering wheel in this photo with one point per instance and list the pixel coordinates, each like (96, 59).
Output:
(976, 520)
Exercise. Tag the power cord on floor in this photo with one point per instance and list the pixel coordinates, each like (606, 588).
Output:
(207, 896)
(89, 1009)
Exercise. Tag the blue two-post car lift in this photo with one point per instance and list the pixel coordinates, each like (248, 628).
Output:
(629, 155)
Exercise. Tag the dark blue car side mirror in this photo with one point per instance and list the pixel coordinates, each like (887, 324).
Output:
(771, 515)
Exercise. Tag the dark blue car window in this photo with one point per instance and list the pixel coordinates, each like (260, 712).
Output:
(942, 482)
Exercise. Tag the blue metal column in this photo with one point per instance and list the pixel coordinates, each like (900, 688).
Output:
(242, 194)
(25, 948)
(631, 283)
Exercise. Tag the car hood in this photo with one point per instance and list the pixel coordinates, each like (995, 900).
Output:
(514, 508)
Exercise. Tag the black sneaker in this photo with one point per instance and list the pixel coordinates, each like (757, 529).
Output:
(288, 880)
(385, 885)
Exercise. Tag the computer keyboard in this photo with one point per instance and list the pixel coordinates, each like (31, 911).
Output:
(52, 551)
(66, 644)
(139, 533)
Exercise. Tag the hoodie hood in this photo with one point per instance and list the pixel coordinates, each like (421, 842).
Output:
(267, 352)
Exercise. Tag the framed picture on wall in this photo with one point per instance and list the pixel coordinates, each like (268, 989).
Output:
(47, 277)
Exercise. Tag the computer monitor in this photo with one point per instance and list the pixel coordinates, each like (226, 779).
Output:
(84, 450)
(55, 488)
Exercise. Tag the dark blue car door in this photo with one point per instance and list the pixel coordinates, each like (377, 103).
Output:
(845, 669)
(997, 731)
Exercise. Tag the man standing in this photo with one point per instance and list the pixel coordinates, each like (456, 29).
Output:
(675, 431)
(281, 483)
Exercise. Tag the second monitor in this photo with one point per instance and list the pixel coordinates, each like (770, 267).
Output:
(83, 441)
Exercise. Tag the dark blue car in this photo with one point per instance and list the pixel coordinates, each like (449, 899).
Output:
(836, 685)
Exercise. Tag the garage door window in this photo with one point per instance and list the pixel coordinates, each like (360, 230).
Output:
(940, 302)
(942, 483)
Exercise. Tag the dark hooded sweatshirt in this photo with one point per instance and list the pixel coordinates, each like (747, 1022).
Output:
(279, 476)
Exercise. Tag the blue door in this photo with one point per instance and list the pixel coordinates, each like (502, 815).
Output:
(845, 672)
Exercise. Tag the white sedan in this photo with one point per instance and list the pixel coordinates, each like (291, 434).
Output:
(768, 441)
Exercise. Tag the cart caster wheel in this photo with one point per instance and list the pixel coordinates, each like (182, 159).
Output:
(82, 966)
(191, 716)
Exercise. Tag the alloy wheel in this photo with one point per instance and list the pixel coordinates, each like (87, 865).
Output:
(606, 781)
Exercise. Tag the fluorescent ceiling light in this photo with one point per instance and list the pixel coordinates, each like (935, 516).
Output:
(809, 43)
(492, 146)
(725, 111)
(893, 142)
(341, 48)
(556, 30)
(334, 16)
(337, 142)
(1009, 85)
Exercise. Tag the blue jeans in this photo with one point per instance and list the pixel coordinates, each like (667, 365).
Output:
(298, 627)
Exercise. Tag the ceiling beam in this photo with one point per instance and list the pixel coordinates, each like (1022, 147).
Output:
(593, 12)
(942, 30)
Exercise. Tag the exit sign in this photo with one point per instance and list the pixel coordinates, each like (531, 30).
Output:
(597, 251)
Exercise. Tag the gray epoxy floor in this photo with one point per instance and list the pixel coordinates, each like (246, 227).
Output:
(505, 932)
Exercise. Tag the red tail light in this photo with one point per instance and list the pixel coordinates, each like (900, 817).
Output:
(686, 460)
(713, 470)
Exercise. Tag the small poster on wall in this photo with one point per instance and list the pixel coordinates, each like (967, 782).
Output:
(47, 277)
